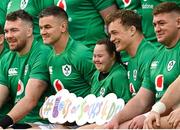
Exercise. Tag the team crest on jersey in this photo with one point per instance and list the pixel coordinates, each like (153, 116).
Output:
(126, 2)
(58, 85)
(102, 91)
(62, 4)
(134, 75)
(24, 4)
(20, 88)
(159, 82)
(171, 65)
(66, 69)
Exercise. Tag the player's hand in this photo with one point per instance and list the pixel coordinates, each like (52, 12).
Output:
(113, 124)
(174, 118)
(152, 118)
(40, 110)
(137, 122)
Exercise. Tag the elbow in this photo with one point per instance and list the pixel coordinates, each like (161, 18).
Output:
(31, 102)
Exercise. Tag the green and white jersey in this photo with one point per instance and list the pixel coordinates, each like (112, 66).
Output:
(130, 5)
(72, 69)
(163, 70)
(85, 22)
(16, 70)
(33, 7)
(138, 64)
(116, 82)
(3, 9)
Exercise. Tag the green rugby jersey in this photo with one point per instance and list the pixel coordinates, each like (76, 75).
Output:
(72, 69)
(163, 70)
(138, 64)
(116, 82)
(16, 70)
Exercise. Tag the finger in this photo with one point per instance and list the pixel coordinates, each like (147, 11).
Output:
(131, 125)
(149, 125)
(176, 122)
(157, 120)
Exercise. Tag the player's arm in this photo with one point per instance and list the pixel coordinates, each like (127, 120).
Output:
(171, 96)
(4, 93)
(33, 92)
(136, 106)
(107, 11)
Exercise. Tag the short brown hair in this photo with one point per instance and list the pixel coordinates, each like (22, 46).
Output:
(126, 17)
(166, 7)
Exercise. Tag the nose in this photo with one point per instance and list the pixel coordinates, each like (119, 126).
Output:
(42, 31)
(95, 59)
(8, 34)
(157, 28)
(112, 38)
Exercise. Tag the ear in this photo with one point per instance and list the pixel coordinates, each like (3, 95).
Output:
(29, 31)
(1, 39)
(64, 26)
(132, 30)
(178, 22)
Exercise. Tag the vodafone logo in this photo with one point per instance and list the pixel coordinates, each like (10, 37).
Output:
(159, 81)
(132, 89)
(20, 88)
(58, 85)
(126, 2)
(62, 4)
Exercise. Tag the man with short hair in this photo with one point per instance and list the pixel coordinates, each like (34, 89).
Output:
(70, 63)
(162, 71)
(23, 72)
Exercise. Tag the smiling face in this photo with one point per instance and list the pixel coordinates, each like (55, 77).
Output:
(119, 35)
(16, 33)
(102, 59)
(167, 26)
(51, 29)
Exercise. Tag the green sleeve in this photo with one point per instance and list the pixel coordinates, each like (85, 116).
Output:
(39, 68)
(86, 66)
(102, 4)
(3, 10)
(120, 85)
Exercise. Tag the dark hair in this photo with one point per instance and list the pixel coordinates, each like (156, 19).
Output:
(54, 11)
(111, 49)
(166, 7)
(126, 17)
(1, 30)
(20, 14)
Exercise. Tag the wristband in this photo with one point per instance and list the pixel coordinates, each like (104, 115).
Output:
(159, 107)
(6, 121)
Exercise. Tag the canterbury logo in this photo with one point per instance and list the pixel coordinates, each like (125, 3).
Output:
(12, 71)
